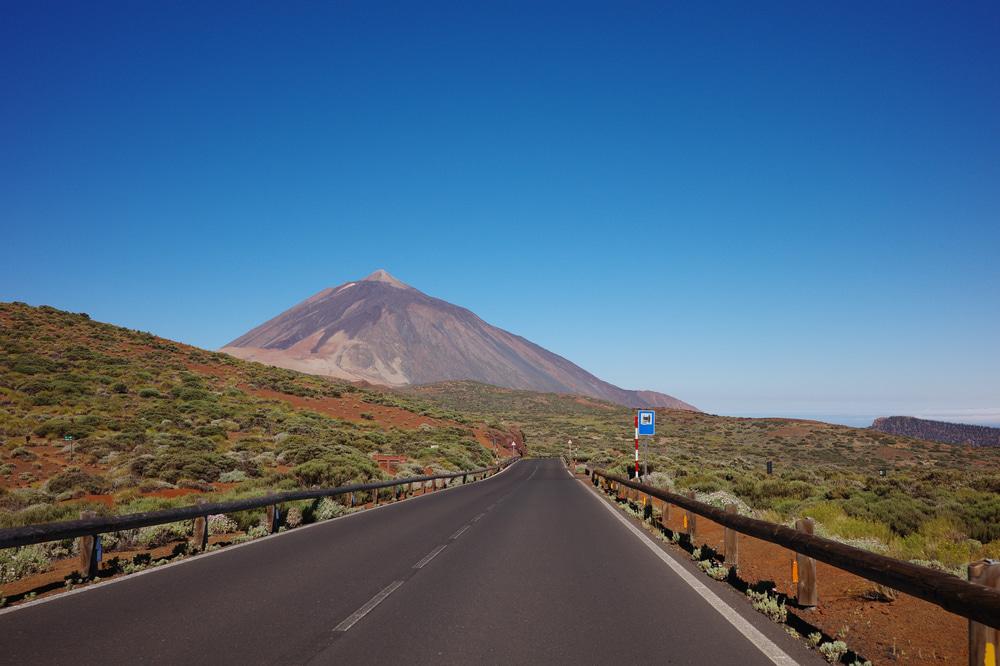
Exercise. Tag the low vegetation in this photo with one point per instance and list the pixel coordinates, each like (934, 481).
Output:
(97, 417)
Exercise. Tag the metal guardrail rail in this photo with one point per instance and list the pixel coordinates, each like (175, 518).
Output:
(91, 527)
(970, 600)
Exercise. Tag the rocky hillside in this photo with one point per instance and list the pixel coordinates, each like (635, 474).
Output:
(97, 416)
(382, 331)
(938, 431)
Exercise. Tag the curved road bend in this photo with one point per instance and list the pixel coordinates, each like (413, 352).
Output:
(525, 567)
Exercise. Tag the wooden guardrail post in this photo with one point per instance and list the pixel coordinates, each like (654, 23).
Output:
(664, 514)
(690, 520)
(88, 549)
(732, 542)
(984, 641)
(804, 570)
(272, 513)
(375, 494)
(199, 535)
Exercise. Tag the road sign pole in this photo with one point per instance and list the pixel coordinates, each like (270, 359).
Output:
(637, 447)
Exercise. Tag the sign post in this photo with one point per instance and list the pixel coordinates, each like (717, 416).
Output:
(645, 425)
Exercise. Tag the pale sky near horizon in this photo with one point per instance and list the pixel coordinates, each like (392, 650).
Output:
(792, 212)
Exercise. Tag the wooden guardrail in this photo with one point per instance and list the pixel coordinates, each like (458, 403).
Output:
(978, 603)
(88, 528)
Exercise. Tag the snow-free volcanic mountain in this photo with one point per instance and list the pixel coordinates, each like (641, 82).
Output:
(382, 331)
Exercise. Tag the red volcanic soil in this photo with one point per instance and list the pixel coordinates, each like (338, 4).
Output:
(351, 409)
(49, 461)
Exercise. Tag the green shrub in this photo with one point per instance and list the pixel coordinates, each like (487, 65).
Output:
(16, 563)
(160, 535)
(221, 524)
(72, 478)
(833, 651)
(328, 508)
(768, 605)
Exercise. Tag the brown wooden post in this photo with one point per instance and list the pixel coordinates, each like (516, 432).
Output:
(375, 494)
(984, 641)
(199, 535)
(88, 550)
(656, 503)
(691, 519)
(665, 514)
(805, 570)
(271, 513)
(732, 542)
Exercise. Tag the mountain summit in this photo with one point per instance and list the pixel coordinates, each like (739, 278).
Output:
(383, 331)
(383, 276)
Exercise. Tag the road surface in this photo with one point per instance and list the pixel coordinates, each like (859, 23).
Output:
(529, 566)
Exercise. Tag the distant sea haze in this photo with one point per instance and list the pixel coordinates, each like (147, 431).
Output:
(981, 417)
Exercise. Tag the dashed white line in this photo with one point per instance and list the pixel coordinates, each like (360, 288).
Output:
(430, 556)
(459, 533)
(353, 618)
(476, 519)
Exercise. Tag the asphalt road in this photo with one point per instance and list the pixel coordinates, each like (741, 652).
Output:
(525, 567)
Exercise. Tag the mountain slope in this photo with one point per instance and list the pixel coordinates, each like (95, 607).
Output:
(382, 331)
(145, 418)
(938, 431)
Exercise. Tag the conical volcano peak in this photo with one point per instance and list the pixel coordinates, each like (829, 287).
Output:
(382, 331)
(383, 276)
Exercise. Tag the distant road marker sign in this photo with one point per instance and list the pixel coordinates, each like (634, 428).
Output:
(645, 425)
(647, 422)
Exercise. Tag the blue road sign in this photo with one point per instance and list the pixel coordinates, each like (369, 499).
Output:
(647, 422)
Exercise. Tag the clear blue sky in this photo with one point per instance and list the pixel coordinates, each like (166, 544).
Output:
(791, 209)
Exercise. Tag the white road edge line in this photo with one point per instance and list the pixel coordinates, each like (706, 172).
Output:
(459, 533)
(222, 551)
(430, 556)
(353, 618)
(750, 632)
